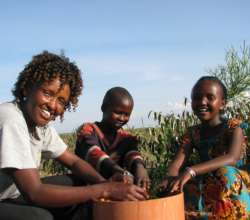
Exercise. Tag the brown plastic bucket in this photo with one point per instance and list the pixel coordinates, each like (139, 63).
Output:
(168, 208)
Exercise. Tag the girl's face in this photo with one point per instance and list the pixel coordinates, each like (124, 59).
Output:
(208, 101)
(45, 102)
(118, 114)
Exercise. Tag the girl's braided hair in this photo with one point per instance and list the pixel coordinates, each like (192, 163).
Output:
(213, 79)
(45, 67)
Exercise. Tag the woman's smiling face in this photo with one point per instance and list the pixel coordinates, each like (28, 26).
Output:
(45, 102)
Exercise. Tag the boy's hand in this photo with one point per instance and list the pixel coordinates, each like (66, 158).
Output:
(122, 177)
(141, 177)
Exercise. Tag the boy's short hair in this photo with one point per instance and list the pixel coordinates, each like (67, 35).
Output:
(115, 94)
(45, 67)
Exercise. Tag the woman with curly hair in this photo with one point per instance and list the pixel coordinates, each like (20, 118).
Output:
(48, 85)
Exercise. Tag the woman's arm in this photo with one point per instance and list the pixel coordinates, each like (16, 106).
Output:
(29, 183)
(31, 187)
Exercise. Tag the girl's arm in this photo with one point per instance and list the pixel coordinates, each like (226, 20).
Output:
(172, 174)
(177, 162)
(180, 157)
(230, 158)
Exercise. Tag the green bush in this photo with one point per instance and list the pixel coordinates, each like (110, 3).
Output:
(160, 143)
(52, 167)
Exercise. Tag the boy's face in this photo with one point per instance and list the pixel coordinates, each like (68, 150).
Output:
(118, 114)
(208, 101)
(45, 102)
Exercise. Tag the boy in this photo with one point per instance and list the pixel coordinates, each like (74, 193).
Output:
(110, 149)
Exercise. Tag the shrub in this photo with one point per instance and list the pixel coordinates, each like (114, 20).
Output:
(52, 167)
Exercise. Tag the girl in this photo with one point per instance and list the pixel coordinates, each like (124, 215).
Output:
(108, 147)
(219, 188)
(49, 85)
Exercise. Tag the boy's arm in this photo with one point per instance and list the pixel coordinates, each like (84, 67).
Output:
(130, 152)
(133, 161)
(88, 148)
(141, 175)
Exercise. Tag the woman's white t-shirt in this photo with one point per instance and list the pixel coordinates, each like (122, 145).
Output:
(19, 149)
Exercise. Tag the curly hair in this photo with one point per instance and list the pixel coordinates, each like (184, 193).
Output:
(46, 67)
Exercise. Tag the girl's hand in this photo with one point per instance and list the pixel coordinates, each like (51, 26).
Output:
(124, 191)
(163, 185)
(178, 184)
(166, 186)
(141, 177)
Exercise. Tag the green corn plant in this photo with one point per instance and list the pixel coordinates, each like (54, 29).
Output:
(235, 74)
(158, 144)
(52, 167)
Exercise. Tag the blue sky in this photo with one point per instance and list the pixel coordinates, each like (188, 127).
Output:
(155, 49)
